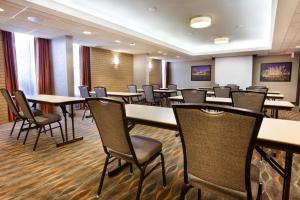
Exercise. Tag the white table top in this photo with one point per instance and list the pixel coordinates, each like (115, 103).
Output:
(54, 99)
(119, 94)
(161, 90)
(269, 95)
(268, 103)
(272, 130)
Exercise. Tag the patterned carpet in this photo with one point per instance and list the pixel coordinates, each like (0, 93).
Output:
(73, 171)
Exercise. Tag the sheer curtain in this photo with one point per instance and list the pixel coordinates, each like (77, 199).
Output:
(26, 63)
(76, 66)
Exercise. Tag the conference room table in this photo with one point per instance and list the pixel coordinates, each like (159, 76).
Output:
(274, 133)
(126, 96)
(62, 102)
(273, 105)
(269, 95)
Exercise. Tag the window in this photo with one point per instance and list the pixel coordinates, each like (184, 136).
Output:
(26, 63)
(76, 65)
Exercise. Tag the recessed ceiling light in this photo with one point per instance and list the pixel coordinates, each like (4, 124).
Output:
(165, 54)
(177, 56)
(117, 41)
(152, 9)
(160, 52)
(221, 40)
(132, 44)
(34, 19)
(87, 32)
(200, 22)
(298, 47)
(2, 10)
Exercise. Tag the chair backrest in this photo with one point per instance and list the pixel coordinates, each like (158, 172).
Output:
(222, 92)
(218, 147)
(23, 104)
(11, 104)
(84, 91)
(233, 87)
(155, 86)
(257, 89)
(173, 87)
(250, 100)
(193, 96)
(111, 122)
(149, 94)
(100, 91)
(133, 89)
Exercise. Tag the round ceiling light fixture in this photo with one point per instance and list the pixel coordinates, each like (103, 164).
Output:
(200, 22)
(221, 40)
(2, 10)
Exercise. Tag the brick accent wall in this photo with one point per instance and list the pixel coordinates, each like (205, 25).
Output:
(104, 73)
(3, 106)
(155, 72)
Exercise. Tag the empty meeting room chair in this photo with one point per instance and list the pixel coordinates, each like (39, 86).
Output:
(223, 92)
(193, 96)
(156, 87)
(233, 87)
(84, 93)
(173, 87)
(257, 89)
(40, 121)
(19, 116)
(150, 97)
(137, 99)
(110, 118)
(217, 150)
(100, 91)
(250, 100)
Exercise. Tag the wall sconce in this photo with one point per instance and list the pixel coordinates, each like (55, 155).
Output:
(150, 64)
(116, 61)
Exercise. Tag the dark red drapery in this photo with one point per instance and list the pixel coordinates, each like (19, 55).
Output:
(42, 61)
(85, 66)
(168, 73)
(10, 64)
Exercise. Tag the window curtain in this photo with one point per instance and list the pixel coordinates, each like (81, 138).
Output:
(85, 66)
(42, 62)
(168, 73)
(10, 64)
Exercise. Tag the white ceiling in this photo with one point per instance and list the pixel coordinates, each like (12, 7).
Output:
(248, 23)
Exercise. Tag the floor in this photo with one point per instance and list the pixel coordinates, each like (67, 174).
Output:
(73, 171)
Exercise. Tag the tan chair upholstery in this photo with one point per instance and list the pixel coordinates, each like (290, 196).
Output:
(40, 121)
(84, 93)
(249, 100)
(193, 96)
(218, 148)
(111, 122)
(223, 92)
(19, 116)
(233, 87)
(150, 97)
(133, 89)
(173, 87)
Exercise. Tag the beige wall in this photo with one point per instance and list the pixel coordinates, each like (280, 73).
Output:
(289, 89)
(155, 72)
(3, 107)
(104, 73)
(181, 74)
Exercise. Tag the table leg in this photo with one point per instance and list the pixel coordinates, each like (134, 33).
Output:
(276, 113)
(287, 177)
(72, 119)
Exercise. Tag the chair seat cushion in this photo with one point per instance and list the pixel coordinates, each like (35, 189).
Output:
(145, 147)
(47, 119)
(225, 191)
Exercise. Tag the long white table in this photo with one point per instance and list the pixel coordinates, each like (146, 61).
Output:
(274, 133)
(276, 105)
(269, 95)
(62, 102)
(126, 96)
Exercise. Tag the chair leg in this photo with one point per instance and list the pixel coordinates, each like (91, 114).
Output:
(21, 129)
(26, 134)
(13, 128)
(44, 129)
(61, 132)
(85, 109)
(184, 190)
(259, 192)
(199, 194)
(50, 130)
(131, 168)
(142, 176)
(37, 138)
(163, 169)
(102, 176)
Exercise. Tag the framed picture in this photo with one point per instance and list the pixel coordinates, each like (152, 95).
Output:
(201, 73)
(276, 72)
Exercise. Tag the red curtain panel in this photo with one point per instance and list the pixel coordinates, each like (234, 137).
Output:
(168, 73)
(10, 64)
(42, 61)
(85, 66)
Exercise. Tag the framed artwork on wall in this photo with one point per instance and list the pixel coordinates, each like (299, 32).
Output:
(276, 72)
(201, 73)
